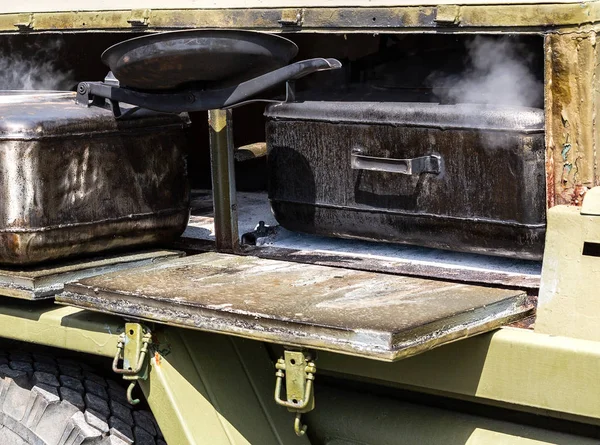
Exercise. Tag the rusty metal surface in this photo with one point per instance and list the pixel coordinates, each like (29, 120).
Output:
(572, 98)
(74, 180)
(40, 282)
(385, 317)
(441, 18)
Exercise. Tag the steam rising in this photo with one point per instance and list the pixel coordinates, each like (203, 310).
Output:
(38, 70)
(498, 72)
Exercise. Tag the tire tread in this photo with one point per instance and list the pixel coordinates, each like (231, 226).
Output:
(48, 401)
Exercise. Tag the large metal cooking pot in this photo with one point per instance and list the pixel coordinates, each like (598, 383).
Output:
(76, 181)
(215, 57)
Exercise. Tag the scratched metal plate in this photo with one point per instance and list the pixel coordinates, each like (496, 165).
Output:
(40, 282)
(367, 314)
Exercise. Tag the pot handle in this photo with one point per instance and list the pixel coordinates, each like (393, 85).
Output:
(414, 166)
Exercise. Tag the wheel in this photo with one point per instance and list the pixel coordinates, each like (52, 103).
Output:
(52, 401)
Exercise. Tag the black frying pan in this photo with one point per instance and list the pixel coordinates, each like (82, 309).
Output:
(173, 59)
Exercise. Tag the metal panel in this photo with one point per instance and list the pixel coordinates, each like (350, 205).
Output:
(572, 101)
(516, 368)
(45, 323)
(343, 17)
(40, 282)
(346, 417)
(360, 313)
(568, 299)
(94, 5)
(217, 390)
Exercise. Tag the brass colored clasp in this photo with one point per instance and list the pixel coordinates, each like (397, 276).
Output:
(132, 347)
(291, 17)
(298, 370)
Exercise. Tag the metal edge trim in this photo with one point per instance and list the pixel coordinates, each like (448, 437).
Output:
(471, 220)
(136, 216)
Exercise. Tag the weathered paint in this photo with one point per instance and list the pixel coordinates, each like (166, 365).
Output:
(219, 390)
(314, 18)
(572, 99)
(91, 5)
(207, 388)
(551, 375)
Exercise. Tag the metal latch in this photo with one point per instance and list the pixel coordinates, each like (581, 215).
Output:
(298, 370)
(24, 22)
(447, 14)
(139, 17)
(132, 348)
(291, 17)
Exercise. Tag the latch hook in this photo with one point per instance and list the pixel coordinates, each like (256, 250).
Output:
(298, 370)
(299, 428)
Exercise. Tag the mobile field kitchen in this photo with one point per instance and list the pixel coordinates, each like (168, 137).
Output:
(345, 222)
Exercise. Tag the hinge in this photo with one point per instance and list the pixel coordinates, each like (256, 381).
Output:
(24, 22)
(298, 370)
(291, 17)
(139, 17)
(132, 348)
(447, 14)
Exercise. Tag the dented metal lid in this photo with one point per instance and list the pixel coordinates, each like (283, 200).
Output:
(415, 114)
(41, 114)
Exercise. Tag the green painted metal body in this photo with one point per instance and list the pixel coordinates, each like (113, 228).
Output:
(215, 389)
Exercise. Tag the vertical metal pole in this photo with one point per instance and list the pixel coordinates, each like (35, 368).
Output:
(223, 180)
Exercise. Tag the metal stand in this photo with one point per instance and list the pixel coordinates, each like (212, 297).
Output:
(223, 180)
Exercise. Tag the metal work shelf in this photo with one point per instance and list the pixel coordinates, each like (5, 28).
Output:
(366, 314)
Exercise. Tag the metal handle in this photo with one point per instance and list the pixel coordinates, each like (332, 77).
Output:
(202, 100)
(414, 166)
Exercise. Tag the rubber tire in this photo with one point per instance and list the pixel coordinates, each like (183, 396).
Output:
(52, 401)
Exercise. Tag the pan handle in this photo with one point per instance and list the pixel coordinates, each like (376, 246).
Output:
(252, 87)
(414, 166)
